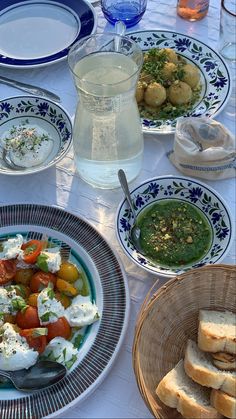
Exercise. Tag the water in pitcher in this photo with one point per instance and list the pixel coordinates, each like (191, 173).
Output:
(107, 129)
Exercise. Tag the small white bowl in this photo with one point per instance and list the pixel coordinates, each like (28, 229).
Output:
(182, 189)
(44, 114)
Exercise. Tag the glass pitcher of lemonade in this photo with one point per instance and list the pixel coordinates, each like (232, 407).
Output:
(107, 134)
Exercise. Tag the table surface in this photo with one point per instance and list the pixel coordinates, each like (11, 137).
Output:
(118, 395)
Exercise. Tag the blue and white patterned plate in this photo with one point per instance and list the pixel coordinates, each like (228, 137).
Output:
(110, 291)
(39, 32)
(215, 77)
(186, 190)
(39, 112)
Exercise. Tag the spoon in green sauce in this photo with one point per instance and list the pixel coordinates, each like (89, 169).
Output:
(135, 232)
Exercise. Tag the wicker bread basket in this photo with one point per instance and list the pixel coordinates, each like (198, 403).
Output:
(168, 318)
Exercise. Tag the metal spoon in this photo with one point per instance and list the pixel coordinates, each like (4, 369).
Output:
(135, 231)
(41, 375)
(7, 159)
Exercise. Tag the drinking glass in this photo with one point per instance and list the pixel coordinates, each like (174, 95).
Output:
(227, 37)
(128, 11)
(192, 9)
(107, 133)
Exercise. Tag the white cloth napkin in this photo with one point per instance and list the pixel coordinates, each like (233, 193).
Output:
(203, 148)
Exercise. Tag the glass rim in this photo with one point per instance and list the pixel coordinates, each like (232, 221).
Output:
(105, 34)
(227, 10)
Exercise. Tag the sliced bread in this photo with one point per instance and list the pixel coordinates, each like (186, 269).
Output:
(217, 331)
(198, 366)
(177, 390)
(224, 403)
(224, 361)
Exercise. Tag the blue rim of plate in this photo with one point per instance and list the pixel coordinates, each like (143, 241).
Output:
(93, 367)
(213, 68)
(36, 107)
(185, 189)
(82, 9)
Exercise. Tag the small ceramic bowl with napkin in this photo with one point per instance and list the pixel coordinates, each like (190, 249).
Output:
(204, 148)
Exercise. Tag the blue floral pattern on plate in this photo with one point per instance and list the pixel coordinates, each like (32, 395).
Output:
(39, 111)
(215, 78)
(183, 189)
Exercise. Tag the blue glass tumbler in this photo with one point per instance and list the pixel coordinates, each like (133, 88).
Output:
(128, 11)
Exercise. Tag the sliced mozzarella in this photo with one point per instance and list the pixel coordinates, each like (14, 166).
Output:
(61, 350)
(6, 297)
(49, 309)
(53, 259)
(15, 353)
(81, 312)
(12, 248)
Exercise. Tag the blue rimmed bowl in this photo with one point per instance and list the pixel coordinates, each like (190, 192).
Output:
(214, 74)
(44, 114)
(183, 189)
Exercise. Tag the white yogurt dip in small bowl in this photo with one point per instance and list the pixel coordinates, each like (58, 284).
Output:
(35, 133)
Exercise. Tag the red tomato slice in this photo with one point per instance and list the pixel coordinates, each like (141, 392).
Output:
(28, 318)
(7, 270)
(38, 343)
(32, 250)
(59, 328)
(41, 280)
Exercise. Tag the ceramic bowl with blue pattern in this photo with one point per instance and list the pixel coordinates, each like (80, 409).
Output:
(214, 74)
(200, 196)
(47, 116)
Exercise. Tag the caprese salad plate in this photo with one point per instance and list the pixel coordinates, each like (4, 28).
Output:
(63, 297)
(40, 32)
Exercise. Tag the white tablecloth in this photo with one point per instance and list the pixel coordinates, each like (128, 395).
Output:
(118, 395)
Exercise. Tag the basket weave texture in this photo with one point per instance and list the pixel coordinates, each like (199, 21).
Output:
(168, 318)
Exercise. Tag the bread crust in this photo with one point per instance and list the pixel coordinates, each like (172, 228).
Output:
(224, 403)
(193, 410)
(209, 340)
(218, 380)
(225, 366)
(174, 396)
(224, 361)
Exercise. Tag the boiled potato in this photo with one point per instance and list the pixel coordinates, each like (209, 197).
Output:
(168, 71)
(191, 75)
(140, 92)
(172, 57)
(179, 93)
(155, 94)
(146, 78)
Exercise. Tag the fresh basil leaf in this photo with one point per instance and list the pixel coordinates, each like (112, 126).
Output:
(39, 331)
(42, 262)
(71, 361)
(77, 341)
(51, 293)
(46, 316)
(18, 303)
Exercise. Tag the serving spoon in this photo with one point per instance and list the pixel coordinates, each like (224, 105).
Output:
(41, 375)
(135, 232)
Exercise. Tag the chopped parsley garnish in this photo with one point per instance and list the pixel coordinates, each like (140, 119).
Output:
(23, 138)
(161, 67)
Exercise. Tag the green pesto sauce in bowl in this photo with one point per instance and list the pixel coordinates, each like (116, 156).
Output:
(174, 233)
